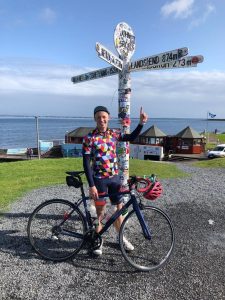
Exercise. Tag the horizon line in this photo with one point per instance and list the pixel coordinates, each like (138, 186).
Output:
(90, 117)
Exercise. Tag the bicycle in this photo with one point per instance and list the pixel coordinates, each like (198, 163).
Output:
(58, 229)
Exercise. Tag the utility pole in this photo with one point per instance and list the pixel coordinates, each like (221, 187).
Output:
(37, 134)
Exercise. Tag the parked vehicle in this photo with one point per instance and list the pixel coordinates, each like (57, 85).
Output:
(218, 151)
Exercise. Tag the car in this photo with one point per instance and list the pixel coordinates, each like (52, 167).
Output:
(218, 151)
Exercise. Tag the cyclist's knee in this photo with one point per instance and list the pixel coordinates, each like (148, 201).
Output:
(100, 209)
(119, 206)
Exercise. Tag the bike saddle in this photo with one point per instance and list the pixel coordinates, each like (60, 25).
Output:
(75, 173)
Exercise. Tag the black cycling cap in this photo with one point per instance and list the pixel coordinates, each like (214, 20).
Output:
(101, 108)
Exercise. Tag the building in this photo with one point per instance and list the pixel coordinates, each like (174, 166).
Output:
(151, 144)
(187, 141)
(152, 136)
(146, 152)
(76, 136)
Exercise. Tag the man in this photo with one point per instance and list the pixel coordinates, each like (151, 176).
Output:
(101, 165)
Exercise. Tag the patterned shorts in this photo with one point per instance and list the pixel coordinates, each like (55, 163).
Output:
(108, 185)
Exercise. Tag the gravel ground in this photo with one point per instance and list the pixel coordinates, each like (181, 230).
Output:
(195, 270)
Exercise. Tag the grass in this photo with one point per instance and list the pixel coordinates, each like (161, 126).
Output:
(219, 138)
(211, 163)
(147, 167)
(17, 178)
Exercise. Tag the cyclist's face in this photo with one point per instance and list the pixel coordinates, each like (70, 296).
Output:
(102, 119)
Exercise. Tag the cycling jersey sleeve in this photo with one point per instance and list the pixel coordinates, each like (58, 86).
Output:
(88, 169)
(133, 135)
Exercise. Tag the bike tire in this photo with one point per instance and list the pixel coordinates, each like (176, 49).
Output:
(148, 254)
(55, 234)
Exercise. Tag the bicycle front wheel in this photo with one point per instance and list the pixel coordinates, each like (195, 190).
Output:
(148, 254)
(56, 229)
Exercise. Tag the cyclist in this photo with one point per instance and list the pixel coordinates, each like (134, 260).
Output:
(101, 167)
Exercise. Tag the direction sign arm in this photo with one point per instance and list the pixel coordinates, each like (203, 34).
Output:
(108, 56)
(183, 62)
(100, 73)
(157, 59)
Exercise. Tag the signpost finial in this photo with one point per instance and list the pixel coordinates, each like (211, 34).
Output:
(124, 40)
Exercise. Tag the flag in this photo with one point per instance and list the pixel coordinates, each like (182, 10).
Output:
(211, 115)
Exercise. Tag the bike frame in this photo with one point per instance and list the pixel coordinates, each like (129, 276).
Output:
(133, 201)
(87, 216)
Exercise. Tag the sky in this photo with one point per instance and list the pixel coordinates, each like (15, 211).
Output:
(43, 43)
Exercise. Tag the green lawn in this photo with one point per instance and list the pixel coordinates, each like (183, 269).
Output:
(219, 138)
(211, 163)
(16, 178)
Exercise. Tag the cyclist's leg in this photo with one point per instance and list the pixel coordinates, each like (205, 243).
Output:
(100, 210)
(117, 200)
(100, 204)
(114, 187)
(53, 232)
(102, 189)
(148, 254)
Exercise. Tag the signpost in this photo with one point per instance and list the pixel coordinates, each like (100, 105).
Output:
(184, 62)
(95, 74)
(138, 65)
(124, 41)
(158, 59)
(109, 56)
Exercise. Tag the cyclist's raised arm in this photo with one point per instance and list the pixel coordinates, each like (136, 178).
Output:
(143, 117)
(134, 134)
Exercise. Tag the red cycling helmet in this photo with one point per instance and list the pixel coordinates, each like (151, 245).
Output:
(154, 191)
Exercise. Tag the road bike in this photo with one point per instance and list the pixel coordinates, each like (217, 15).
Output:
(58, 229)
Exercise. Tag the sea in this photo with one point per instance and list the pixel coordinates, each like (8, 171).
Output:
(24, 132)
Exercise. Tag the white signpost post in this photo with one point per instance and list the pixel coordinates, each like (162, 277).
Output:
(124, 41)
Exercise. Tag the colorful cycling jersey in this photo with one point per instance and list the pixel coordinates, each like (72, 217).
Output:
(102, 148)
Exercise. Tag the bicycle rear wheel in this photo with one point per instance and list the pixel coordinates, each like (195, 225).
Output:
(56, 229)
(148, 254)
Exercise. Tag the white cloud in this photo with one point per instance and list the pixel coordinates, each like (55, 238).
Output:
(34, 78)
(48, 15)
(179, 8)
(33, 88)
(209, 9)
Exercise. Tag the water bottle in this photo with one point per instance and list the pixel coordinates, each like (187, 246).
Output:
(125, 200)
(152, 178)
(108, 213)
(93, 212)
